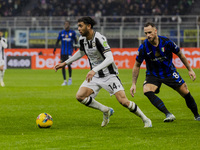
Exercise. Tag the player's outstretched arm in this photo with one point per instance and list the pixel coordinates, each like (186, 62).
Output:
(60, 65)
(133, 90)
(192, 75)
(187, 65)
(90, 75)
(135, 73)
(75, 57)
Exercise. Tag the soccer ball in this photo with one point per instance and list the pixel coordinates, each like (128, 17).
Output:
(44, 120)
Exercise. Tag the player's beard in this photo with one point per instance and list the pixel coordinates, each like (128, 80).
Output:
(85, 32)
(152, 39)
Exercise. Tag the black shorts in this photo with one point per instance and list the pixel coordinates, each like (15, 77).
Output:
(173, 81)
(64, 58)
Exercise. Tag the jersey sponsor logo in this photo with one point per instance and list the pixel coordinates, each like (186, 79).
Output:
(67, 39)
(161, 59)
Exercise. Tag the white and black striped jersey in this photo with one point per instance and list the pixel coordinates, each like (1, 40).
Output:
(3, 44)
(95, 49)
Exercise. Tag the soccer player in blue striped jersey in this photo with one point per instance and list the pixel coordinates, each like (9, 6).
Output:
(157, 52)
(67, 38)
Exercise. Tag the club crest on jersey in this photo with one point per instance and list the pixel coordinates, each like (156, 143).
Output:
(93, 44)
(163, 49)
(70, 34)
(66, 36)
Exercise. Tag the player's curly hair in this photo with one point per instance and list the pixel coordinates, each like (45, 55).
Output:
(87, 20)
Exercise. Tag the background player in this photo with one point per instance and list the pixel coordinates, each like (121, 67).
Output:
(103, 73)
(67, 38)
(157, 52)
(3, 45)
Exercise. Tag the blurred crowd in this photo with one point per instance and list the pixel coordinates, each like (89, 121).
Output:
(10, 8)
(96, 8)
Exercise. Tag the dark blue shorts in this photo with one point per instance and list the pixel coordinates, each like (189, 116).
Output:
(173, 81)
(64, 58)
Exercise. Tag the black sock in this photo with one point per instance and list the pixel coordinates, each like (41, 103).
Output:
(191, 104)
(70, 70)
(63, 73)
(157, 102)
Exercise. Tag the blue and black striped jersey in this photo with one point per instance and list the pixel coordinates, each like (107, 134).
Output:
(158, 59)
(67, 38)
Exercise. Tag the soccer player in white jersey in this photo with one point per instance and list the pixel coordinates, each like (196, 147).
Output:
(3, 45)
(103, 73)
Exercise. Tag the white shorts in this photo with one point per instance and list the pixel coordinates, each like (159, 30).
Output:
(111, 83)
(2, 62)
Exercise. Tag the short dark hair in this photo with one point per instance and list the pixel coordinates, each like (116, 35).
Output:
(87, 20)
(149, 24)
(67, 21)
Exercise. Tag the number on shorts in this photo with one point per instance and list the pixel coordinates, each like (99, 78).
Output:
(113, 86)
(175, 75)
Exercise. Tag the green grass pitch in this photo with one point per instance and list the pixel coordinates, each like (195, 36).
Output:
(76, 127)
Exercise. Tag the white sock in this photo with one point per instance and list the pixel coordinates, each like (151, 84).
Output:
(91, 102)
(136, 110)
(65, 80)
(1, 75)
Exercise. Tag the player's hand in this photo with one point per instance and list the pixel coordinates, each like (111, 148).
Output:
(192, 75)
(60, 65)
(54, 51)
(90, 75)
(133, 90)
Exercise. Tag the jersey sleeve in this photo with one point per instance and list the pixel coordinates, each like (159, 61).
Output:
(4, 42)
(74, 35)
(81, 43)
(102, 44)
(59, 36)
(140, 54)
(175, 49)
